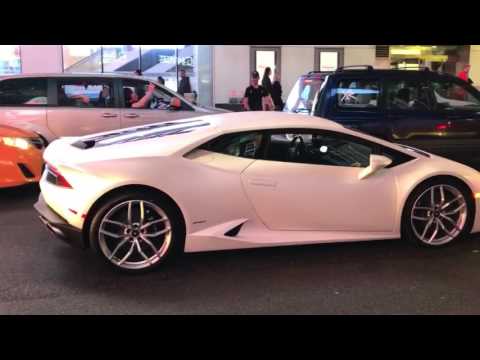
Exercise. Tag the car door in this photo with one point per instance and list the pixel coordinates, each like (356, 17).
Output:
(356, 102)
(158, 109)
(410, 110)
(83, 105)
(312, 183)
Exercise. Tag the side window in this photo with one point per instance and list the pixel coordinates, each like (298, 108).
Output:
(85, 93)
(407, 95)
(357, 94)
(245, 144)
(450, 96)
(320, 148)
(23, 92)
(135, 90)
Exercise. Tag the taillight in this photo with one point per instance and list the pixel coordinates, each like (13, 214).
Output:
(58, 180)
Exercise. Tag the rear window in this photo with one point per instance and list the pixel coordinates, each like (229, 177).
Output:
(302, 96)
(23, 92)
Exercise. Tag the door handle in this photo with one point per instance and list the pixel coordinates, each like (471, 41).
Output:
(109, 115)
(131, 116)
(263, 182)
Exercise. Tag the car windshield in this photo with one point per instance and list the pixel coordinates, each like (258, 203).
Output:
(300, 99)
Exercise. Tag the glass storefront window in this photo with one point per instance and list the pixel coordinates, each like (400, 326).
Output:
(154, 61)
(122, 58)
(10, 59)
(162, 60)
(82, 58)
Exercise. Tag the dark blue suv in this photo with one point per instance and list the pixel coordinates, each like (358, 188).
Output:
(435, 112)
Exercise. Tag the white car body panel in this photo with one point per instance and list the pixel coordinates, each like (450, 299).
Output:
(278, 203)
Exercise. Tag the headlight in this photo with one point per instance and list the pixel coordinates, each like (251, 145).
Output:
(16, 142)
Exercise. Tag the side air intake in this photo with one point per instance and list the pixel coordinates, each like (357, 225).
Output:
(234, 231)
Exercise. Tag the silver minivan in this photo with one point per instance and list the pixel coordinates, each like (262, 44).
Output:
(55, 105)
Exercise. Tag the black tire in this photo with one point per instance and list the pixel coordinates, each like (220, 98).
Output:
(177, 224)
(407, 230)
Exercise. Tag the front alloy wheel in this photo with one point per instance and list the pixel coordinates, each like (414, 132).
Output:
(135, 234)
(138, 231)
(439, 213)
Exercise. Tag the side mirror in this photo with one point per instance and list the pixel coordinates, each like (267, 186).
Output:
(377, 162)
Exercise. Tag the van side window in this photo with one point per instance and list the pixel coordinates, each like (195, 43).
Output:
(357, 94)
(23, 92)
(407, 95)
(134, 90)
(451, 96)
(85, 93)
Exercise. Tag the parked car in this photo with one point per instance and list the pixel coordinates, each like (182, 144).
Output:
(57, 105)
(234, 181)
(435, 112)
(20, 157)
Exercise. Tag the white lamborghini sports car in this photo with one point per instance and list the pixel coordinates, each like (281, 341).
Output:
(243, 180)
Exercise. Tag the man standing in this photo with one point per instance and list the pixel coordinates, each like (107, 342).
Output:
(256, 97)
(184, 86)
(464, 74)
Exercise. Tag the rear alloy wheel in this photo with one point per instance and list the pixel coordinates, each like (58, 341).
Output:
(438, 213)
(136, 234)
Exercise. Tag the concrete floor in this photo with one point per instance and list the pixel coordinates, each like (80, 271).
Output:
(41, 275)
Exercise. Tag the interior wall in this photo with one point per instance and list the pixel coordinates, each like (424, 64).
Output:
(359, 55)
(41, 58)
(231, 68)
(296, 61)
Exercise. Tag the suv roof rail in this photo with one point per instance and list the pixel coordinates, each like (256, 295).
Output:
(318, 72)
(420, 68)
(342, 68)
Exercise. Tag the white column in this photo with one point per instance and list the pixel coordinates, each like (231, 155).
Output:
(41, 58)
(231, 71)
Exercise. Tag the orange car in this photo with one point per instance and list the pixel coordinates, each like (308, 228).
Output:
(21, 159)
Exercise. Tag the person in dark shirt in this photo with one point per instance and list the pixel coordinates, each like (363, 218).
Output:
(277, 93)
(256, 97)
(161, 80)
(184, 86)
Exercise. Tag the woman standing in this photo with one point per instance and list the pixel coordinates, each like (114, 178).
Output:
(267, 85)
(266, 82)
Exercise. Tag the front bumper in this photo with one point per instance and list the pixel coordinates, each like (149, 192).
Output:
(58, 226)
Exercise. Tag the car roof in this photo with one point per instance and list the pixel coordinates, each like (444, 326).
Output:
(258, 120)
(321, 75)
(76, 75)
(391, 72)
